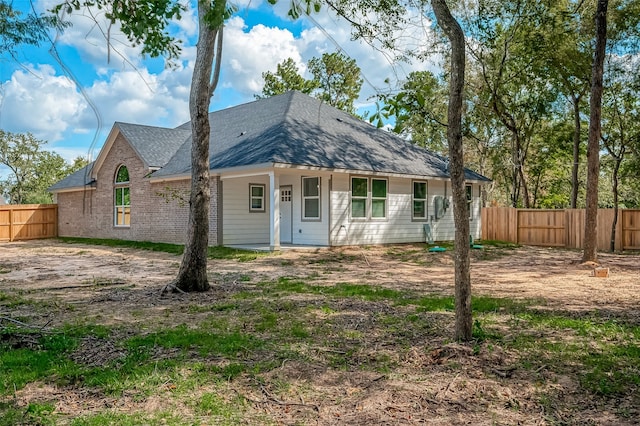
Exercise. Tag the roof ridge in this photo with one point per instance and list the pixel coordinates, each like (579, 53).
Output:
(121, 123)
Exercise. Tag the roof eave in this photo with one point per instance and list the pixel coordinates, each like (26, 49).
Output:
(370, 172)
(73, 189)
(264, 168)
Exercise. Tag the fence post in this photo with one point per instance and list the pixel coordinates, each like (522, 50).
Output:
(566, 227)
(11, 231)
(55, 225)
(516, 225)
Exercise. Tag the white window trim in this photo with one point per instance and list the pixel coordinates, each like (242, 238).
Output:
(369, 198)
(425, 200)
(358, 197)
(262, 198)
(385, 198)
(469, 194)
(318, 197)
(117, 208)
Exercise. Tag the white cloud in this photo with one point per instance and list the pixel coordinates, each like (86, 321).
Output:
(135, 97)
(96, 40)
(50, 106)
(188, 23)
(250, 52)
(247, 54)
(331, 33)
(38, 101)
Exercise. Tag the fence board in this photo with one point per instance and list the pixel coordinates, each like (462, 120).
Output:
(631, 229)
(560, 228)
(541, 228)
(506, 216)
(28, 221)
(5, 225)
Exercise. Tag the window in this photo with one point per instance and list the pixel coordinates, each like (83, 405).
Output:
(368, 198)
(256, 198)
(285, 195)
(420, 209)
(311, 198)
(469, 201)
(359, 192)
(378, 198)
(122, 198)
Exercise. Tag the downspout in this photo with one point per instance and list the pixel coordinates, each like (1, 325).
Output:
(329, 215)
(220, 209)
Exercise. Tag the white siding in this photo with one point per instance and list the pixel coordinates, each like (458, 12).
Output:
(442, 229)
(242, 227)
(399, 226)
(476, 208)
(335, 226)
(239, 225)
(305, 232)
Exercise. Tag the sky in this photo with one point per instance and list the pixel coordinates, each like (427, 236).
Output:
(70, 90)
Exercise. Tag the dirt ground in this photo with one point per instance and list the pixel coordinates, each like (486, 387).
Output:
(98, 281)
(71, 272)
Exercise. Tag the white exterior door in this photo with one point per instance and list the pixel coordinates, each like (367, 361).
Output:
(285, 214)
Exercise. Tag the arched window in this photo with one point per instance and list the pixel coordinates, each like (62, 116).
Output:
(122, 199)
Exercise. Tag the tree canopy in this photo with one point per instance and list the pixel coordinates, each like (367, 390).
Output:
(17, 28)
(336, 80)
(32, 170)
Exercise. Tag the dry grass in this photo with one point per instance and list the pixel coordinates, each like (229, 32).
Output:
(343, 336)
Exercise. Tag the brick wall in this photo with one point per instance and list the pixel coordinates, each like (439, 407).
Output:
(159, 211)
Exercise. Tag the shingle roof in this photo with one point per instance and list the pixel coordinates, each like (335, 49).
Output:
(154, 145)
(297, 129)
(78, 179)
(292, 128)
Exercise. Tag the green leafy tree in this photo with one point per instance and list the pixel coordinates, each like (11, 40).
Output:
(566, 47)
(590, 245)
(338, 80)
(146, 22)
(513, 83)
(620, 130)
(17, 28)
(551, 151)
(287, 77)
(381, 23)
(419, 111)
(32, 169)
(454, 33)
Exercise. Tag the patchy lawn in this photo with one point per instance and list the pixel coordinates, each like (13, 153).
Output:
(341, 336)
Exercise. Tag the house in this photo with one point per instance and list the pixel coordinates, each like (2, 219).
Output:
(288, 169)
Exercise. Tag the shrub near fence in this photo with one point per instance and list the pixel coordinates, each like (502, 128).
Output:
(28, 221)
(559, 228)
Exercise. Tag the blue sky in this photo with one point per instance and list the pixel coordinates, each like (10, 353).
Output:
(39, 95)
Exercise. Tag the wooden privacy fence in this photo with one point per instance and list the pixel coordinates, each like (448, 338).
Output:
(28, 221)
(559, 228)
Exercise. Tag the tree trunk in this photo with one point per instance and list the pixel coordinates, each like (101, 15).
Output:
(515, 183)
(456, 168)
(614, 187)
(192, 275)
(576, 151)
(593, 149)
(525, 188)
